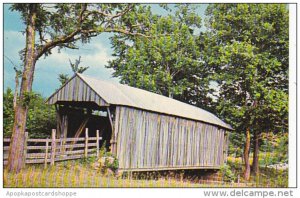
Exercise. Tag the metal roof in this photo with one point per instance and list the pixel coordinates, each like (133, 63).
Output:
(118, 94)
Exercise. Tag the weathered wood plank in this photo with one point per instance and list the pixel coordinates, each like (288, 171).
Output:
(76, 152)
(36, 155)
(97, 142)
(58, 140)
(75, 139)
(76, 90)
(86, 142)
(171, 168)
(148, 140)
(53, 145)
(72, 146)
(38, 147)
(46, 154)
(77, 145)
(37, 140)
(73, 157)
(36, 161)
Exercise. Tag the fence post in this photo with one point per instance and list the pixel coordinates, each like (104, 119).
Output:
(25, 148)
(86, 142)
(46, 153)
(53, 147)
(61, 146)
(97, 142)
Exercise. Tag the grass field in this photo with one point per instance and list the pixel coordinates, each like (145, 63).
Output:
(78, 174)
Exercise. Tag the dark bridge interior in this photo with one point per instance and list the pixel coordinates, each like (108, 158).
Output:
(74, 117)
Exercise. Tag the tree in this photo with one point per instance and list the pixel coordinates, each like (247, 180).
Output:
(50, 26)
(8, 112)
(168, 63)
(63, 78)
(249, 54)
(40, 120)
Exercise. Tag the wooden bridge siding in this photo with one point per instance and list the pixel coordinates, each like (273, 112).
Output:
(151, 140)
(77, 90)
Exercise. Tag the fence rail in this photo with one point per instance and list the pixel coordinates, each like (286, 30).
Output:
(52, 150)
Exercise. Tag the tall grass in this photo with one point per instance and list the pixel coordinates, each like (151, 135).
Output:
(78, 174)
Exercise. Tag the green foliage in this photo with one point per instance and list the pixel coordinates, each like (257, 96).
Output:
(166, 63)
(114, 165)
(63, 78)
(8, 112)
(103, 151)
(282, 148)
(247, 48)
(276, 147)
(228, 175)
(111, 165)
(87, 160)
(28, 97)
(61, 25)
(75, 66)
(40, 118)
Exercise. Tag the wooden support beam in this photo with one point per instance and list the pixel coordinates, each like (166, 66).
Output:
(97, 142)
(109, 117)
(53, 147)
(58, 124)
(86, 143)
(46, 153)
(25, 148)
(116, 129)
(81, 127)
(112, 140)
(65, 126)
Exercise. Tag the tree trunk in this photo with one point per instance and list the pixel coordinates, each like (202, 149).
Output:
(15, 158)
(246, 155)
(16, 89)
(255, 165)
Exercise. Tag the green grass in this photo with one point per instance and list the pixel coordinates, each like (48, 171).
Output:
(267, 177)
(78, 174)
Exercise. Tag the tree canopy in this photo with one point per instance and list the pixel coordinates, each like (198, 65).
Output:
(168, 62)
(248, 51)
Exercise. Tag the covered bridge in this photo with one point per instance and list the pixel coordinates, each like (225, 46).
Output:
(146, 131)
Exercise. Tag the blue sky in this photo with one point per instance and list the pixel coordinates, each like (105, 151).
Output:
(96, 54)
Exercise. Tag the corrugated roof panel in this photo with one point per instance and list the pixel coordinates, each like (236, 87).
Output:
(118, 94)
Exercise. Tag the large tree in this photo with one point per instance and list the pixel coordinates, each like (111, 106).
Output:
(50, 26)
(249, 53)
(169, 62)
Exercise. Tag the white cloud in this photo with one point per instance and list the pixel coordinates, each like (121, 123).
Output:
(59, 62)
(13, 42)
(95, 55)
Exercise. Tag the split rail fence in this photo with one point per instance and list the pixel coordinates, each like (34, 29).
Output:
(44, 151)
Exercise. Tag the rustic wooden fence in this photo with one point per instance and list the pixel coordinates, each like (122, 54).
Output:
(52, 150)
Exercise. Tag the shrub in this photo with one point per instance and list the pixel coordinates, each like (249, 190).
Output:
(114, 165)
(227, 173)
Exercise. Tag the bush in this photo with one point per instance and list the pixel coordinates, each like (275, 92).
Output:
(87, 160)
(41, 117)
(227, 173)
(107, 160)
(111, 164)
